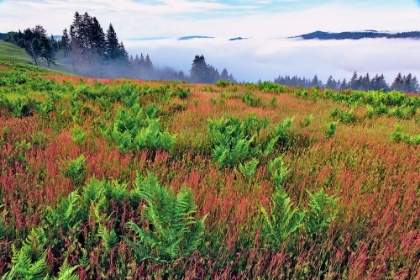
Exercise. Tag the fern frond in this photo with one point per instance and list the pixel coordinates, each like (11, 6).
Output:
(93, 191)
(3, 227)
(220, 156)
(283, 222)
(109, 238)
(184, 205)
(23, 267)
(279, 170)
(271, 146)
(194, 236)
(283, 130)
(249, 168)
(173, 231)
(69, 205)
(323, 211)
(75, 170)
(67, 272)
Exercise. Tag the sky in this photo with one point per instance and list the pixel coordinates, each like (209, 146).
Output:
(268, 22)
(176, 18)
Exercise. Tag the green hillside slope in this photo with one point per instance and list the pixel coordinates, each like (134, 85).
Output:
(12, 53)
(8, 51)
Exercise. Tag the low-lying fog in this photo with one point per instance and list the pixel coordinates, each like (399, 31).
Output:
(266, 59)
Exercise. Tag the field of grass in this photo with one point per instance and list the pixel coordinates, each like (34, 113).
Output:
(127, 179)
(10, 52)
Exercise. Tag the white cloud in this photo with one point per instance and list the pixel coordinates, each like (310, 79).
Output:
(265, 59)
(179, 17)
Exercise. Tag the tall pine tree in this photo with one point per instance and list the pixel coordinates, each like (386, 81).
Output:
(199, 70)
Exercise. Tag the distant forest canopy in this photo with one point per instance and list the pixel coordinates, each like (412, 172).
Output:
(87, 50)
(406, 83)
(321, 35)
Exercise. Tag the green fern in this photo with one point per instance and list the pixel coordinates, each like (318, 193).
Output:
(279, 171)
(154, 137)
(67, 272)
(283, 222)
(93, 192)
(323, 211)
(330, 129)
(251, 125)
(3, 228)
(399, 136)
(283, 130)
(249, 168)
(116, 191)
(271, 146)
(124, 129)
(109, 238)
(306, 121)
(231, 143)
(78, 136)
(75, 170)
(173, 231)
(152, 110)
(68, 216)
(30, 261)
(139, 128)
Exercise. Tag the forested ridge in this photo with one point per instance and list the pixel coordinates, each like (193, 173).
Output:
(85, 49)
(405, 83)
(357, 35)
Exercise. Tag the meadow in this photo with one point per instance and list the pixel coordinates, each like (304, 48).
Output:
(131, 179)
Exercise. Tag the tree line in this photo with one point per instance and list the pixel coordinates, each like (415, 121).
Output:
(201, 72)
(407, 83)
(321, 35)
(87, 50)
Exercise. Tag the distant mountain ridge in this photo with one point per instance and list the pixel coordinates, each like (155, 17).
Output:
(357, 35)
(186, 38)
(194, 37)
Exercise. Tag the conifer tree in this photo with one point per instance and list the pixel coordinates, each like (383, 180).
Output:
(330, 83)
(112, 44)
(47, 51)
(148, 63)
(98, 37)
(398, 83)
(382, 84)
(37, 44)
(224, 75)
(141, 60)
(315, 81)
(415, 85)
(343, 85)
(365, 82)
(354, 81)
(199, 70)
(407, 83)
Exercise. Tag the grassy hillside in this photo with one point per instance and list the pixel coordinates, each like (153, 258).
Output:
(121, 179)
(11, 54)
(8, 52)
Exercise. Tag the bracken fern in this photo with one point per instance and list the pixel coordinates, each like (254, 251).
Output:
(283, 222)
(322, 211)
(172, 230)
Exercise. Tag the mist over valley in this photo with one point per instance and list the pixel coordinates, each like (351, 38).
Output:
(266, 58)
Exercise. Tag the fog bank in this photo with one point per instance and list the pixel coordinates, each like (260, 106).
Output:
(266, 59)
